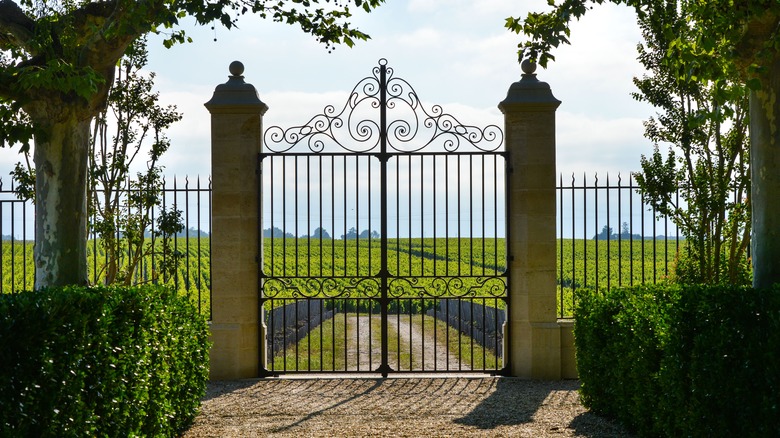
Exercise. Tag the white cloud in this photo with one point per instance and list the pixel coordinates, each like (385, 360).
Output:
(455, 53)
(594, 144)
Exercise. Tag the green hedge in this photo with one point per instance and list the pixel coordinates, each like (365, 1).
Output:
(669, 360)
(103, 361)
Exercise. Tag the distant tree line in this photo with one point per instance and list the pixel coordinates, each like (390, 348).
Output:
(321, 233)
(607, 233)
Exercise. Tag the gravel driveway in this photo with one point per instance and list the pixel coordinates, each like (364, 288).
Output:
(402, 407)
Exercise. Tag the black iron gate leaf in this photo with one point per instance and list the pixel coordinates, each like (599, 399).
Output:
(383, 243)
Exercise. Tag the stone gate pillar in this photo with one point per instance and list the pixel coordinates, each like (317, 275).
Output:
(535, 335)
(236, 139)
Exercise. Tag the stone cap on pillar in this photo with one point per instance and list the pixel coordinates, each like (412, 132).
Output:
(236, 96)
(529, 93)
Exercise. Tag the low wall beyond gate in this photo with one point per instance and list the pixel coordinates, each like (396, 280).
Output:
(482, 323)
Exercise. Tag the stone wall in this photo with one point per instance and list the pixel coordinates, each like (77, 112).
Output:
(484, 324)
(289, 324)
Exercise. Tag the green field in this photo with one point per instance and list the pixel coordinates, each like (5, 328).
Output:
(591, 263)
(193, 277)
(580, 263)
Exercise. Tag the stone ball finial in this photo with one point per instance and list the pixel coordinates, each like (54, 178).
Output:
(236, 68)
(528, 67)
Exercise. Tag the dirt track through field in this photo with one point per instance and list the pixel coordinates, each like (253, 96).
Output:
(421, 348)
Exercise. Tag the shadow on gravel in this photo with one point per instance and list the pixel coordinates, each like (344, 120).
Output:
(515, 402)
(324, 409)
(512, 403)
(219, 388)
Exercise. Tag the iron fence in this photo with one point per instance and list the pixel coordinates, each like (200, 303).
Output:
(607, 236)
(193, 276)
(642, 251)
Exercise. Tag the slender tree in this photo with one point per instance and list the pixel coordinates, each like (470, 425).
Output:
(120, 204)
(721, 37)
(705, 125)
(57, 65)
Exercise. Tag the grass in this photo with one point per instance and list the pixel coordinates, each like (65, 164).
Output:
(326, 348)
(580, 263)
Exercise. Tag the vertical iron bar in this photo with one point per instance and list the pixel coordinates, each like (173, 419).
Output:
(197, 215)
(13, 247)
(561, 283)
(598, 243)
(495, 213)
(573, 240)
(175, 240)
(24, 246)
(484, 217)
(409, 208)
(433, 215)
(357, 217)
(296, 218)
(584, 229)
(284, 219)
(384, 367)
(308, 217)
(620, 234)
(631, 229)
(609, 238)
(655, 246)
(186, 234)
(321, 226)
(642, 224)
(459, 226)
(471, 215)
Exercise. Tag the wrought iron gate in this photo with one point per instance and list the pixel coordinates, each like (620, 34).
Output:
(383, 244)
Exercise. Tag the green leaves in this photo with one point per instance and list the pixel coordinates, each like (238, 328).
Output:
(60, 76)
(100, 362)
(682, 360)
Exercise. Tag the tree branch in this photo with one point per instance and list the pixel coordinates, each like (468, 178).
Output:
(16, 28)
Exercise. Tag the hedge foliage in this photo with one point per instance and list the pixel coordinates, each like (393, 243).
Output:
(102, 361)
(670, 360)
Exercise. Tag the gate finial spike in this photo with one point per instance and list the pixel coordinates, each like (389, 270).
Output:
(528, 66)
(236, 68)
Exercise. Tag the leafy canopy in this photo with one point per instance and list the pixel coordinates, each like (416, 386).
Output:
(721, 34)
(59, 56)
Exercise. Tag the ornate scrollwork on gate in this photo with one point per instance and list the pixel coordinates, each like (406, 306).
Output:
(405, 126)
(320, 287)
(447, 287)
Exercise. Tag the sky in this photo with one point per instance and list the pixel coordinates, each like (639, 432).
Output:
(455, 53)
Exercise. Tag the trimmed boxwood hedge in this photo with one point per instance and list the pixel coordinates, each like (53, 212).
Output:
(670, 360)
(100, 361)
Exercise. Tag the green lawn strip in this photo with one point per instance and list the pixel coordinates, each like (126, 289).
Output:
(325, 349)
(460, 345)
(318, 351)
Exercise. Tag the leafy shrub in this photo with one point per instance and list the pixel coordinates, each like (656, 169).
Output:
(107, 361)
(687, 270)
(676, 360)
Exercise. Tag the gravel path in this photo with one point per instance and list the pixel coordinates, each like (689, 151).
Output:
(427, 353)
(364, 347)
(398, 407)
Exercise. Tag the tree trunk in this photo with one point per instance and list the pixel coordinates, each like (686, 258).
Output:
(765, 177)
(61, 201)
